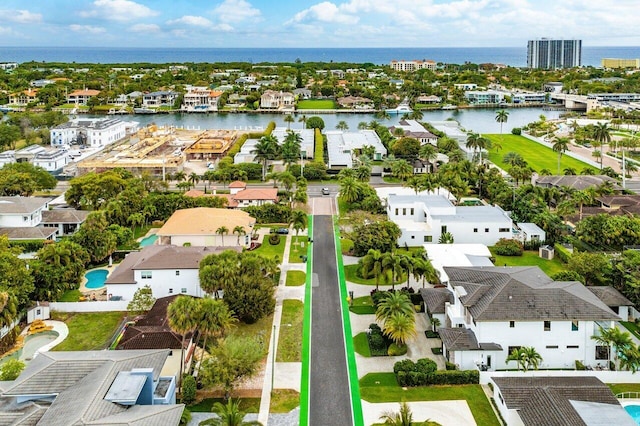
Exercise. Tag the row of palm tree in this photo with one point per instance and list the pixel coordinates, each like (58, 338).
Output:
(527, 358)
(268, 149)
(391, 267)
(626, 354)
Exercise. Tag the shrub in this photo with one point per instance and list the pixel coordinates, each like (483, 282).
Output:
(376, 342)
(377, 297)
(188, 389)
(516, 131)
(567, 276)
(396, 350)
(426, 366)
(346, 245)
(431, 334)
(450, 366)
(185, 418)
(274, 239)
(405, 365)
(580, 366)
(375, 328)
(563, 254)
(436, 351)
(508, 247)
(454, 377)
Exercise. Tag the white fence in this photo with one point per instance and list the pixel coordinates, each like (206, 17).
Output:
(604, 376)
(6, 329)
(97, 306)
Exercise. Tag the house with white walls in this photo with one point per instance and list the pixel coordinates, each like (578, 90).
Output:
(343, 147)
(498, 309)
(167, 270)
(424, 218)
(93, 132)
(19, 212)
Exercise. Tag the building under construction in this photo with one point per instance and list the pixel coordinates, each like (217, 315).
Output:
(212, 144)
(153, 149)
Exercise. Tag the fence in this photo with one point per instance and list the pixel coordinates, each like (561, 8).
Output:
(97, 306)
(604, 376)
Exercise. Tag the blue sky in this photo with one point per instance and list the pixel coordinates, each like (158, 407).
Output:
(309, 23)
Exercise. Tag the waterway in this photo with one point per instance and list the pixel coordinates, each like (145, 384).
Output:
(477, 119)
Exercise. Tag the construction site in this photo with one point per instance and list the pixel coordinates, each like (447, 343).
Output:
(160, 150)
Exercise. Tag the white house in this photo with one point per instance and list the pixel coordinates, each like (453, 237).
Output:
(413, 129)
(93, 132)
(7, 157)
(424, 218)
(22, 212)
(496, 310)
(530, 232)
(452, 130)
(272, 99)
(166, 269)
(159, 99)
(343, 146)
(307, 135)
(81, 97)
(52, 161)
(200, 99)
(480, 97)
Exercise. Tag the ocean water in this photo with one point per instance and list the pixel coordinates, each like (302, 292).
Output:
(514, 56)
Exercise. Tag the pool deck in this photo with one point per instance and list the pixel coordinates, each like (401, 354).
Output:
(57, 326)
(150, 232)
(95, 293)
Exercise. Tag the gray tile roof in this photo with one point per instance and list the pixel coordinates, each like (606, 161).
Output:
(435, 298)
(610, 296)
(27, 233)
(525, 294)
(64, 216)
(578, 182)
(464, 339)
(80, 380)
(548, 400)
(22, 205)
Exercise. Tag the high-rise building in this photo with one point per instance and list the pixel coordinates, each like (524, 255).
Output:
(552, 54)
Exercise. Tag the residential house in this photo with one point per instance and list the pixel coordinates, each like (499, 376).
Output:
(41, 83)
(21, 212)
(529, 232)
(424, 218)
(398, 82)
(466, 86)
(92, 388)
(199, 227)
(528, 98)
(616, 301)
(93, 132)
(344, 146)
(167, 269)
(241, 196)
(52, 161)
(302, 93)
(499, 309)
(23, 97)
(355, 102)
(306, 145)
(65, 221)
(81, 97)
(480, 97)
(152, 331)
(200, 99)
(161, 98)
(271, 99)
(557, 401)
(7, 157)
(29, 153)
(452, 130)
(428, 99)
(128, 98)
(248, 79)
(577, 182)
(413, 129)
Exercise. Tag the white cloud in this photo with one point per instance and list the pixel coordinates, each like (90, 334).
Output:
(21, 16)
(325, 12)
(86, 29)
(236, 11)
(145, 28)
(118, 10)
(197, 21)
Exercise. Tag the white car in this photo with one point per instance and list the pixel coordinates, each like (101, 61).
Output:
(325, 191)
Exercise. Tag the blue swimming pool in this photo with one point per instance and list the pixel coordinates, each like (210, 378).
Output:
(96, 278)
(148, 241)
(634, 411)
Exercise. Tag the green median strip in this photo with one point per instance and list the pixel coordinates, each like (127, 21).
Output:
(354, 386)
(306, 333)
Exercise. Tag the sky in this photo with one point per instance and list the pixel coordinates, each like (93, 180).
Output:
(313, 23)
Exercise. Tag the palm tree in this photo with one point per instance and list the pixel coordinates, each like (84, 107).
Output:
(265, 150)
(239, 230)
(342, 125)
(415, 183)
(179, 176)
(350, 189)
(501, 117)
(298, 221)
(372, 262)
(221, 231)
(581, 198)
(288, 119)
(613, 338)
(392, 263)
(290, 150)
(446, 238)
(383, 115)
(136, 219)
(183, 316)
(532, 357)
(560, 145)
(229, 414)
(402, 169)
(214, 320)
(394, 302)
(363, 125)
(194, 179)
(400, 327)
(518, 356)
(303, 120)
(602, 134)
(404, 417)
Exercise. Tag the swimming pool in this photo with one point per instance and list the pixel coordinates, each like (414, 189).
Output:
(634, 411)
(148, 241)
(96, 278)
(31, 344)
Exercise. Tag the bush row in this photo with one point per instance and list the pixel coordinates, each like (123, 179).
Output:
(508, 247)
(318, 154)
(378, 343)
(563, 254)
(254, 135)
(447, 377)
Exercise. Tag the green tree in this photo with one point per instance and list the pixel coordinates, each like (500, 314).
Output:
(189, 389)
(392, 303)
(401, 169)
(400, 328)
(183, 315)
(11, 369)
(342, 125)
(613, 338)
(288, 119)
(214, 319)
(229, 414)
(501, 117)
(222, 231)
(594, 267)
(315, 123)
(142, 301)
(15, 280)
(239, 231)
(406, 148)
(59, 267)
(298, 221)
(602, 135)
(560, 145)
(94, 237)
(372, 262)
(232, 360)
(404, 417)
(266, 150)
(446, 238)
(290, 150)
(381, 235)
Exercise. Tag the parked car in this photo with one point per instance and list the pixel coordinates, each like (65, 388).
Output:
(325, 191)
(254, 246)
(282, 231)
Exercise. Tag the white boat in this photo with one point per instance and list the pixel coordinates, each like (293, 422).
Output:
(400, 109)
(144, 111)
(449, 107)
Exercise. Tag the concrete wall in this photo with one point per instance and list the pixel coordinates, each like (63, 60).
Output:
(98, 306)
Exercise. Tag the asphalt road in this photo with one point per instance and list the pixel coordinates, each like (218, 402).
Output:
(329, 395)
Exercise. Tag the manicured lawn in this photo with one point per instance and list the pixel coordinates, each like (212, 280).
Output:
(531, 258)
(350, 275)
(361, 344)
(362, 306)
(298, 248)
(290, 340)
(316, 104)
(295, 278)
(267, 250)
(88, 331)
(536, 155)
(284, 400)
(248, 405)
(382, 387)
(71, 296)
(617, 388)
(632, 327)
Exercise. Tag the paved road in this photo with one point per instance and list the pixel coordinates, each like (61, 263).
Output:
(329, 394)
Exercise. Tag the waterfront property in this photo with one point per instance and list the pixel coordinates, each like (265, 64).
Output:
(413, 129)
(343, 147)
(211, 144)
(425, 218)
(271, 99)
(93, 132)
(200, 99)
(81, 97)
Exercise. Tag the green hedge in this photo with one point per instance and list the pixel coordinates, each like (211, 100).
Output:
(318, 154)
(28, 246)
(508, 247)
(563, 254)
(424, 372)
(254, 135)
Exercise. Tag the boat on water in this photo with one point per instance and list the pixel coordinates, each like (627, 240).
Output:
(144, 111)
(449, 107)
(400, 109)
